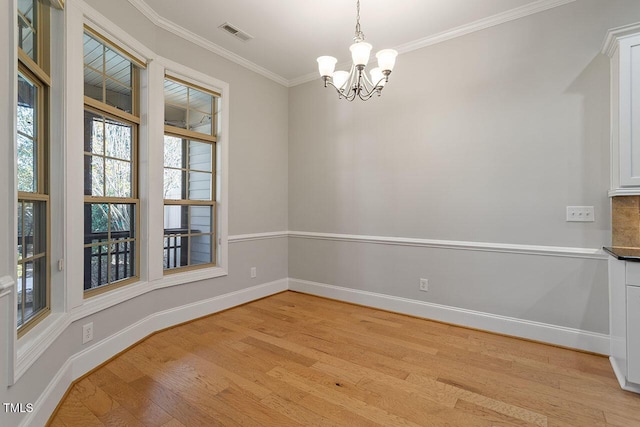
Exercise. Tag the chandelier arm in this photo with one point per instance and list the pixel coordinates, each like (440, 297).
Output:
(373, 92)
(367, 81)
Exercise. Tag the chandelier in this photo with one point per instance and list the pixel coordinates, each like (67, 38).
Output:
(356, 83)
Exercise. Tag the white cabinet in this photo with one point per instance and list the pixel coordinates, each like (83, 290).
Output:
(633, 334)
(622, 45)
(624, 322)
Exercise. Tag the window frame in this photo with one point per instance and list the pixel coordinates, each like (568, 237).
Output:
(37, 72)
(187, 135)
(102, 108)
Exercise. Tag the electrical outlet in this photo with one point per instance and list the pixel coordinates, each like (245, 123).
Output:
(87, 333)
(253, 272)
(580, 214)
(424, 285)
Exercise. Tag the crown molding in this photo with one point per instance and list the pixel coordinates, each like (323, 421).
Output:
(484, 23)
(472, 27)
(615, 34)
(182, 32)
(481, 24)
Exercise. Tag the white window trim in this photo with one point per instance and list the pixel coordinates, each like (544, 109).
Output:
(35, 342)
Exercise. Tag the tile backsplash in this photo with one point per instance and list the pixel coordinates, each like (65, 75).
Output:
(625, 221)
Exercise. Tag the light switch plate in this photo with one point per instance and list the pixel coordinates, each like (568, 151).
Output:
(580, 214)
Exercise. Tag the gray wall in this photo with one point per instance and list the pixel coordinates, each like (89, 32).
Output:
(483, 138)
(258, 195)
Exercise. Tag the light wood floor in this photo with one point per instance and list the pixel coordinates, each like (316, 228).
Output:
(297, 360)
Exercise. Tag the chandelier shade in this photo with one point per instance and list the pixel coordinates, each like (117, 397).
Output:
(355, 83)
(326, 65)
(360, 53)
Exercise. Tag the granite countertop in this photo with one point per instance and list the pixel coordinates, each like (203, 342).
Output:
(623, 254)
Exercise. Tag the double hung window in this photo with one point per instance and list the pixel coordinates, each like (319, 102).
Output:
(111, 208)
(189, 176)
(33, 247)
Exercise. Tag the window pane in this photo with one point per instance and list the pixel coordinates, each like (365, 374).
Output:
(114, 226)
(173, 152)
(27, 26)
(118, 138)
(94, 176)
(96, 266)
(199, 186)
(108, 75)
(27, 296)
(176, 252)
(21, 240)
(111, 177)
(200, 122)
(32, 232)
(97, 218)
(27, 228)
(119, 96)
(122, 221)
(27, 162)
(93, 82)
(117, 67)
(200, 219)
(200, 249)
(27, 105)
(122, 261)
(93, 68)
(20, 291)
(34, 292)
(175, 104)
(118, 178)
(200, 156)
(200, 101)
(200, 107)
(176, 219)
(93, 54)
(94, 133)
(27, 134)
(174, 184)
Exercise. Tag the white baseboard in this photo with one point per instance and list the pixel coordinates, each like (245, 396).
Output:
(624, 384)
(86, 360)
(552, 334)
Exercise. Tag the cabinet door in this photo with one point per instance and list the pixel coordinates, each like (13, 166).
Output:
(630, 114)
(633, 334)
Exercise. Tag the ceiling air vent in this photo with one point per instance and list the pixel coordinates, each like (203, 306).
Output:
(235, 31)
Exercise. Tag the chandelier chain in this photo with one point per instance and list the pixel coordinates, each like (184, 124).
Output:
(359, 34)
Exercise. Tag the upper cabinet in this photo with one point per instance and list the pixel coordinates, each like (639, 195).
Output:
(622, 45)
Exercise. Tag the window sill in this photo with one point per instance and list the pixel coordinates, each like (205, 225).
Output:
(36, 341)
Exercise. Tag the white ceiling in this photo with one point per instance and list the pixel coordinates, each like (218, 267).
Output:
(290, 34)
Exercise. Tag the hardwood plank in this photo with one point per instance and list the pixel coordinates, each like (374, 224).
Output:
(293, 359)
(119, 417)
(135, 403)
(94, 397)
(180, 409)
(124, 370)
(74, 413)
(296, 412)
